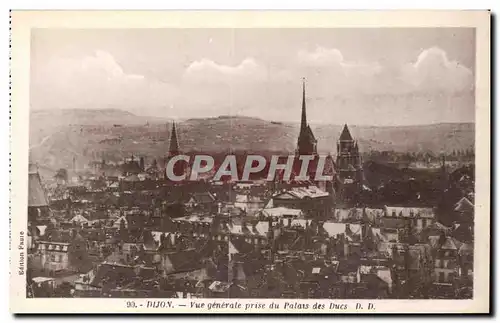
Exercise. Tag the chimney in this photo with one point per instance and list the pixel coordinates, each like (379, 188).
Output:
(364, 230)
(141, 163)
(270, 231)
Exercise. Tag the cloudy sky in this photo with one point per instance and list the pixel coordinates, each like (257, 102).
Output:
(377, 76)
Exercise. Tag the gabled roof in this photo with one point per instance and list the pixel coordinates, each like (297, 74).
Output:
(451, 244)
(373, 214)
(239, 246)
(350, 230)
(466, 249)
(381, 272)
(346, 134)
(247, 198)
(464, 205)
(79, 219)
(448, 243)
(398, 211)
(132, 178)
(36, 194)
(301, 222)
(41, 229)
(219, 287)
(205, 197)
(168, 235)
(436, 228)
(281, 212)
(302, 192)
(111, 273)
(184, 261)
(131, 167)
(260, 229)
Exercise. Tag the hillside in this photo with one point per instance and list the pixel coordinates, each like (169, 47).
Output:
(57, 137)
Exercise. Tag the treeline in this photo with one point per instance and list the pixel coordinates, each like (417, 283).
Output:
(385, 156)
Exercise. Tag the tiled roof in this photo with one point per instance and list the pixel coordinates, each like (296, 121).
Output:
(36, 194)
(280, 212)
(464, 205)
(406, 212)
(334, 228)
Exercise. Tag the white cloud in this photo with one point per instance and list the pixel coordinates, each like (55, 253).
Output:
(334, 75)
(94, 82)
(103, 62)
(434, 71)
(321, 57)
(208, 70)
(250, 87)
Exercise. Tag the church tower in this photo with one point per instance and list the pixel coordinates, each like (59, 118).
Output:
(306, 143)
(349, 165)
(174, 150)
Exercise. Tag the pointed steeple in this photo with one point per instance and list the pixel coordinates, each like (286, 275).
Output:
(303, 120)
(174, 143)
(306, 143)
(346, 134)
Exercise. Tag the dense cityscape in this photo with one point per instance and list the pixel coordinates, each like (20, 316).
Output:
(384, 225)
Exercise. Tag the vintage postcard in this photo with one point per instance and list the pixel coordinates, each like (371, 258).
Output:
(250, 162)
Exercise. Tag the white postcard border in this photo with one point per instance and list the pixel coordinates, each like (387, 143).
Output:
(24, 21)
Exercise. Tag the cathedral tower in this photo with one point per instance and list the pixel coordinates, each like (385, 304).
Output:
(180, 166)
(349, 165)
(306, 143)
(173, 149)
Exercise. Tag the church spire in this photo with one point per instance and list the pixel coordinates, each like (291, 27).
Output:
(306, 143)
(174, 144)
(303, 120)
(346, 134)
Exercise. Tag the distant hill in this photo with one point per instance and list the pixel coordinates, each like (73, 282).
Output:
(58, 136)
(88, 117)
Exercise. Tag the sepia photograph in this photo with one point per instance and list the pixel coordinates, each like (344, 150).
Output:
(260, 163)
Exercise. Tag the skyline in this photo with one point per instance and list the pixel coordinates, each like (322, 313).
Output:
(385, 77)
(162, 119)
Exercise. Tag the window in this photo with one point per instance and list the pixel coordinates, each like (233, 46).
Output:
(441, 277)
(52, 257)
(438, 263)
